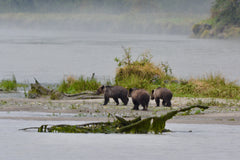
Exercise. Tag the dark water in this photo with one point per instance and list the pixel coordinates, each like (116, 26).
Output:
(51, 55)
(206, 142)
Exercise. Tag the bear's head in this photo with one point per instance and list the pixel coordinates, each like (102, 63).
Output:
(130, 91)
(100, 90)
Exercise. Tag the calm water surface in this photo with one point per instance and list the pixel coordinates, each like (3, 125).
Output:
(206, 142)
(50, 55)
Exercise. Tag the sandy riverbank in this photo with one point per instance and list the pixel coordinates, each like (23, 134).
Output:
(227, 111)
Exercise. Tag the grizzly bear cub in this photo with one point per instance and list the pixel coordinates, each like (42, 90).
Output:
(114, 92)
(139, 97)
(164, 94)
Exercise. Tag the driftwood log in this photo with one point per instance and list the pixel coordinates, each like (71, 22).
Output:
(37, 91)
(119, 125)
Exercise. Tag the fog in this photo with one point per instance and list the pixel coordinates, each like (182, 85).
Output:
(52, 39)
(117, 16)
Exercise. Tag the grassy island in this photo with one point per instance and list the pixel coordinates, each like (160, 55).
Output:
(143, 73)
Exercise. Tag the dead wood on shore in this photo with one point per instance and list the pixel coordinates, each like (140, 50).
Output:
(154, 125)
(37, 91)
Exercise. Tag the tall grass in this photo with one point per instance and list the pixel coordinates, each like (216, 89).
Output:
(9, 84)
(140, 73)
(72, 85)
(210, 85)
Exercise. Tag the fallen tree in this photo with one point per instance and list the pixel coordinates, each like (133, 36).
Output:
(37, 91)
(119, 125)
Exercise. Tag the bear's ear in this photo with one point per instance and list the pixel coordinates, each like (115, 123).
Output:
(130, 91)
(102, 87)
(152, 91)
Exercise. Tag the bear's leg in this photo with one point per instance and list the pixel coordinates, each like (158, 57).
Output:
(136, 107)
(147, 106)
(164, 103)
(116, 100)
(125, 100)
(157, 100)
(106, 100)
(144, 107)
(169, 104)
(136, 104)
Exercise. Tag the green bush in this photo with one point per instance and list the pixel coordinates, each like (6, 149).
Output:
(9, 84)
(210, 85)
(141, 73)
(72, 86)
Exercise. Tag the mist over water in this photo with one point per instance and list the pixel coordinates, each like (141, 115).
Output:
(51, 55)
(114, 16)
(49, 40)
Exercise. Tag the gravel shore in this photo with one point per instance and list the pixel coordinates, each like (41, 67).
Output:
(220, 111)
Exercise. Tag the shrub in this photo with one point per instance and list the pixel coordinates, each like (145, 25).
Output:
(218, 86)
(72, 86)
(140, 73)
(9, 84)
(210, 85)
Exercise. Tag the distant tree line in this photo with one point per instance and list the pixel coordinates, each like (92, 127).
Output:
(224, 22)
(108, 6)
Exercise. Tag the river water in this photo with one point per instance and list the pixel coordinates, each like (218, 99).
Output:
(206, 142)
(51, 55)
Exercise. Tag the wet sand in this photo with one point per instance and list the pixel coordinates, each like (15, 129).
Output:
(227, 111)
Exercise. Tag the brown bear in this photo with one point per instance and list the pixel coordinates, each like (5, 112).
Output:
(114, 92)
(139, 97)
(164, 94)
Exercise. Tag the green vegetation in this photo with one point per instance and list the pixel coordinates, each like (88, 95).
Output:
(119, 125)
(9, 84)
(210, 85)
(223, 23)
(72, 85)
(142, 73)
(2, 102)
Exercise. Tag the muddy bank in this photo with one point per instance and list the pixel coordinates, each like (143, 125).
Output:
(227, 111)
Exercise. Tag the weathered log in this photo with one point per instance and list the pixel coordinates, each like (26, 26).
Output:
(119, 125)
(79, 94)
(83, 97)
(37, 91)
